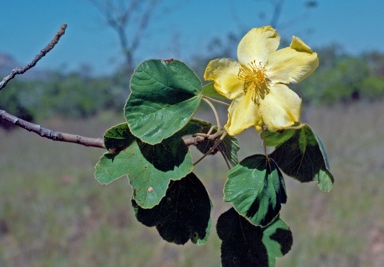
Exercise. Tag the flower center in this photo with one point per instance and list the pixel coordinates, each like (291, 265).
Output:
(255, 79)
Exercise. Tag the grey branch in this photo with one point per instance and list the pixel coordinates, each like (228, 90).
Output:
(46, 133)
(71, 138)
(43, 52)
(50, 134)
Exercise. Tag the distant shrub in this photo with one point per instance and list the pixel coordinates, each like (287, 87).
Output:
(68, 96)
(372, 87)
(350, 79)
(12, 101)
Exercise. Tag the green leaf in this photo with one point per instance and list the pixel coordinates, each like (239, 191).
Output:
(118, 138)
(277, 138)
(244, 244)
(303, 157)
(277, 237)
(193, 126)
(164, 96)
(256, 189)
(184, 213)
(228, 146)
(149, 168)
(205, 126)
(209, 90)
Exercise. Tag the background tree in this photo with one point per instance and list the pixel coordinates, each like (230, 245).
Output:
(129, 19)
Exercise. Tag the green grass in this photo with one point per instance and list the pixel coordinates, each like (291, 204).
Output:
(54, 213)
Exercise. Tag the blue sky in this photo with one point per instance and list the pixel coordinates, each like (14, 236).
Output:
(26, 26)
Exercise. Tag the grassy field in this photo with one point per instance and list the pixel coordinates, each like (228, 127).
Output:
(54, 213)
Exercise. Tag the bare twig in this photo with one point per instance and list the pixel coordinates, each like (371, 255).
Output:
(217, 143)
(50, 134)
(72, 138)
(46, 133)
(49, 47)
(194, 140)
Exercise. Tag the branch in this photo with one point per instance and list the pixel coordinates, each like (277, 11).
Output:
(72, 138)
(50, 134)
(21, 70)
(43, 132)
(194, 140)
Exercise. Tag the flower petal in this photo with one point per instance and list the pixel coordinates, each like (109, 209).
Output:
(280, 108)
(224, 73)
(242, 114)
(292, 64)
(257, 44)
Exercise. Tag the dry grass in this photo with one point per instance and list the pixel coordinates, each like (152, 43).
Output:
(53, 212)
(344, 227)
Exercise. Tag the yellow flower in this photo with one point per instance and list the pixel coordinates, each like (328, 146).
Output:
(256, 83)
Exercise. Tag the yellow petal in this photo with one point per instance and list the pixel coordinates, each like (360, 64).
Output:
(299, 45)
(224, 73)
(242, 114)
(257, 44)
(292, 64)
(280, 108)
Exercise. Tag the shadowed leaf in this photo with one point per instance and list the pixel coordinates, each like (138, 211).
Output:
(303, 157)
(149, 168)
(256, 189)
(183, 214)
(244, 244)
(118, 138)
(228, 147)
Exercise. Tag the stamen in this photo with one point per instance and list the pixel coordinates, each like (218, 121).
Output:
(255, 79)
